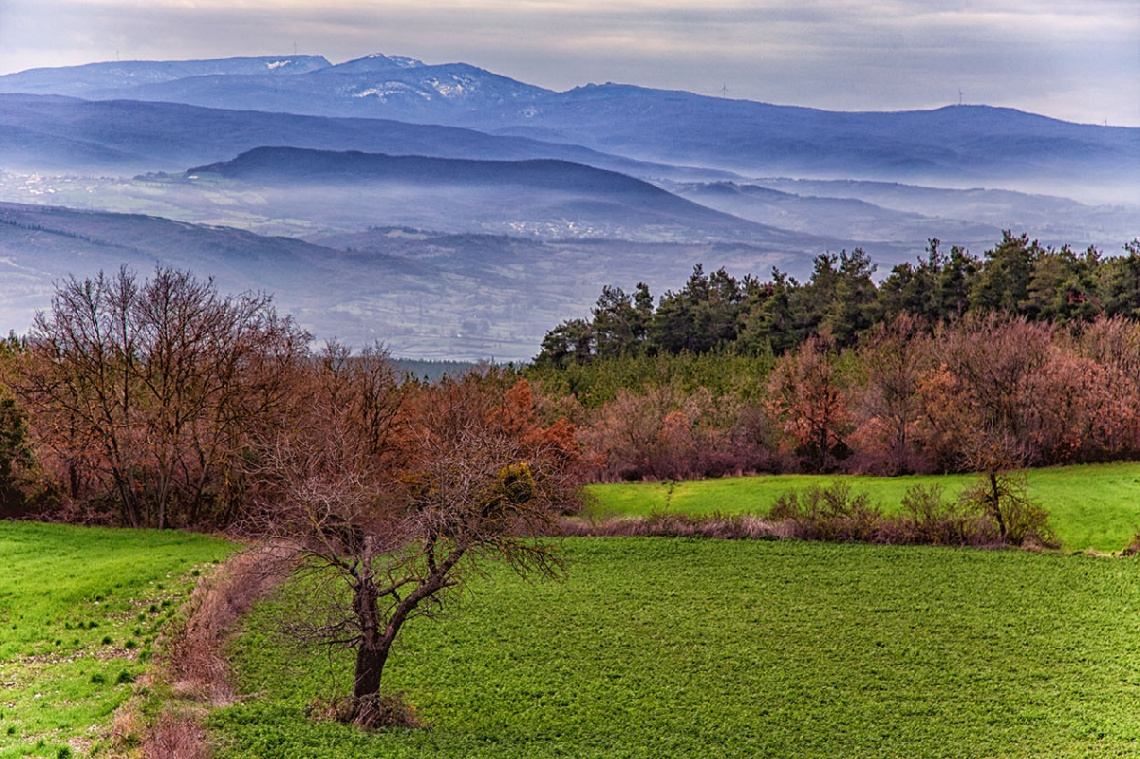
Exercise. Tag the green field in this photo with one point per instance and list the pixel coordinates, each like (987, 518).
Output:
(79, 611)
(1091, 506)
(706, 648)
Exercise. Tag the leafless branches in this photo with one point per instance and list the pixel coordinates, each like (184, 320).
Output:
(143, 394)
(390, 493)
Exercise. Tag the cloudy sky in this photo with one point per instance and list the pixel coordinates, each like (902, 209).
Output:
(1073, 59)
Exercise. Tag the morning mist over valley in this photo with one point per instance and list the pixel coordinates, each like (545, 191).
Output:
(455, 213)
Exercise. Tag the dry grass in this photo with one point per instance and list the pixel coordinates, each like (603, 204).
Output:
(177, 737)
(740, 526)
(193, 665)
(833, 514)
(194, 662)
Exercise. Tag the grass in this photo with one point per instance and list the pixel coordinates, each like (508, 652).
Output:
(1093, 506)
(706, 648)
(79, 611)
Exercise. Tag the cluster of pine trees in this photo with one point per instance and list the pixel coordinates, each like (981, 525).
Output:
(748, 316)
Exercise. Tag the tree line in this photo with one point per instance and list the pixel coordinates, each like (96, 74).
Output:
(1030, 356)
(747, 316)
(163, 403)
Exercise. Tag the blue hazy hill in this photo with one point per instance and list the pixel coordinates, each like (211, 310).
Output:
(344, 187)
(959, 143)
(57, 133)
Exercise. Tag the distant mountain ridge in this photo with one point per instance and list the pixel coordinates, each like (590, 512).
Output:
(302, 85)
(99, 80)
(58, 133)
(958, 143)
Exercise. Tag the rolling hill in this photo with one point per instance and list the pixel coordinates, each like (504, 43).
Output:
(545, 198)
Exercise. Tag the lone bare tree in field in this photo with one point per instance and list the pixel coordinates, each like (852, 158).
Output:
(1000, 491)
(462, 474)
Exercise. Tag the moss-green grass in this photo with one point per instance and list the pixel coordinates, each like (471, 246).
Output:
(79, 610)
(708, 648)
(1091, 506)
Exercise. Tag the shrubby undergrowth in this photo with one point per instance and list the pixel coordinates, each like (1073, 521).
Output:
(836, 513)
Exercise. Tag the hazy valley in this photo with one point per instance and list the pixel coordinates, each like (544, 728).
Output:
(454, 213)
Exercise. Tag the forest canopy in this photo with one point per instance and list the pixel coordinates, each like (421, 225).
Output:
(748, 316)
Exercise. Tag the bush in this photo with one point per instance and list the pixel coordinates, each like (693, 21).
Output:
(1133, 547)
(1000, 496)
(835, 513)
(929, 518)
(831, 513)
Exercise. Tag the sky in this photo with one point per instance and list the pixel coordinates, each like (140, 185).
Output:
(1077, 60)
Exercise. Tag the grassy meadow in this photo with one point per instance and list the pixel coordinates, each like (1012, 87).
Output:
(79, 612)
(705, 648)
(1091, 505)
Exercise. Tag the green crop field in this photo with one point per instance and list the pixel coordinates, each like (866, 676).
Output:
(706, 648)
(1091, 506)
(79, 610)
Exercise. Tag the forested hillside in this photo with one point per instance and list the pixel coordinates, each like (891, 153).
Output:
(1028, 355)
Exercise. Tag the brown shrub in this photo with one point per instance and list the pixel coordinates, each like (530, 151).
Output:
(1133, 547)
(194, 659)
(835, 514)
(176, 737)
(930, 519)
(740, 526)
(832, 513)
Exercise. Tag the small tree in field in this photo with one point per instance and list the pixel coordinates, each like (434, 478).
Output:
(463, 474)
(1001, 493)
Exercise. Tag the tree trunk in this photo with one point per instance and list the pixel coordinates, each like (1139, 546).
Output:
(372, 651)
(995, 503)
(370, 662)
(376, 638)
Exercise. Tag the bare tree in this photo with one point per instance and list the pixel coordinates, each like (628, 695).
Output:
(893, 356)
(144, 393)
(1001, 489)
(808, 397)
(463, 474)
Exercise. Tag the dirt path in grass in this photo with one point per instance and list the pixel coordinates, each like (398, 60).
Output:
(195, 667)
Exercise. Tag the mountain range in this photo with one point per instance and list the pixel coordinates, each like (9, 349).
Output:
(957, 143)
(456, 213)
